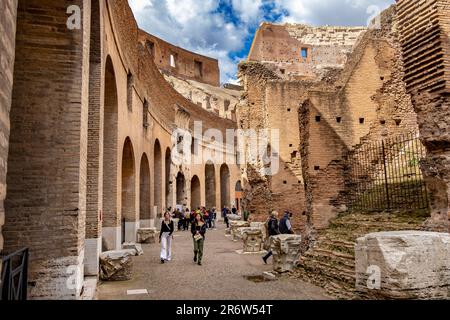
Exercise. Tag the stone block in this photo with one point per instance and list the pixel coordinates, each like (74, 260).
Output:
(404, 265)
(261, 226)
(234, 228)
(116, 265)
(252, 238)
(234, 217)
(147, 235)
(133, 246)
(286, 251)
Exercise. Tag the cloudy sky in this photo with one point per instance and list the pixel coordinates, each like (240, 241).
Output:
(224, 29)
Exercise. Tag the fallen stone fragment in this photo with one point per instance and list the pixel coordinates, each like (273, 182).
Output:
(133, 246)
(116, 265)
(252, 238)
(234, 228)
(147, 235)
(404, 265)
(286, 251)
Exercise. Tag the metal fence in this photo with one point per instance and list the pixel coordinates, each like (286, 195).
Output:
(386, 175)
(14, 276)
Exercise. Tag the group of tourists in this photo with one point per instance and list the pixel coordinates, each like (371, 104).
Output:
(197, 221)
(201, 219)
(275, 227)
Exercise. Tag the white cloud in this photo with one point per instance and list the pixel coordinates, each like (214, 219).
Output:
(199, 26)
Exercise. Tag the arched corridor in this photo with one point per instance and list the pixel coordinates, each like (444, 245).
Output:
(195, 193)
(225, 186)
(129, 222)
(111, 219)
(181, 189)
(145, 210)
(157, 172)
(210, 185)
(168, 187)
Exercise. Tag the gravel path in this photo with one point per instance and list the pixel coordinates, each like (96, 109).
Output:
(222, 276)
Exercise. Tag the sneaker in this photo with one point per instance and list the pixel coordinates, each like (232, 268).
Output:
(162, 261)
(199, 263)
(265, 260)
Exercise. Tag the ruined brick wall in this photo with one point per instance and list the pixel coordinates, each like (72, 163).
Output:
(8, 12)
(280, 47)
(364, 101)
(424, 28)
(188, 65)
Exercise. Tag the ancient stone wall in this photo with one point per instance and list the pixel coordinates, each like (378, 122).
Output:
(424, 28)
(220, 101)
(363, 101)
(180, 62)
(298, 51)
(8, 12)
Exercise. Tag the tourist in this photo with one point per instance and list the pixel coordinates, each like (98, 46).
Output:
(272, 230)
(166, 237)
(213, 217)
(234, 210)
(285, 223)
(206, 218)
(225, 212)
(198, 230)
(186, 220)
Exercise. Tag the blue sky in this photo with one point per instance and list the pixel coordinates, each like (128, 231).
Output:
(224, 29)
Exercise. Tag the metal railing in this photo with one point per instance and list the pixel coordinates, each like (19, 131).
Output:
(14, 276)
(386, 175)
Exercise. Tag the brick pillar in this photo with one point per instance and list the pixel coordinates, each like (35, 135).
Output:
(46, 201)
(8, 14)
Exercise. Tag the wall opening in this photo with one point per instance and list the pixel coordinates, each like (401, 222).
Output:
(198, 69)
(128, 193)
(181, 189)
(157, 192)
(110, 150)
(130, 89)
(210, 185)
(145, 210)
(224, 186)
(168, 186)
(304, 53)
(145, 109)
(195, 193)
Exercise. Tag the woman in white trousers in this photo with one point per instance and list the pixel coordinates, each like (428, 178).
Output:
(166, 237)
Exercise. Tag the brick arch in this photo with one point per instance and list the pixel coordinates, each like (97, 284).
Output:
(181, 189)
(128, 211)
(111, 217)
(145, 212)
(195, 193)
(157, 177)
(168, 188)
(225, 186)
(210, 185)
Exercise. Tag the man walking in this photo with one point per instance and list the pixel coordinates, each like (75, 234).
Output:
(285, 223)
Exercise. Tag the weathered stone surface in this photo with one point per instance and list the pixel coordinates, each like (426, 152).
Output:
(410, 265)
(234, 228)
(234, 217)
(252, 238)
(261, 226)
(116, 265)
(147, 235)
(286, 251)
(133, 246)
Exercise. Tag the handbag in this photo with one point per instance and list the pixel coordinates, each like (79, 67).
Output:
(198, 237)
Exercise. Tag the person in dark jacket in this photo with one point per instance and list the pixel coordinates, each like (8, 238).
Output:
(285, 223)
(166, 237)
(198, 230)
(272, 230)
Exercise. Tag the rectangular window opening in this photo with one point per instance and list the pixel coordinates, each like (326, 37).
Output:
(304, 53)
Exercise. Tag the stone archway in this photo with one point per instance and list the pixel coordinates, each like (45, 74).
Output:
(181, 189)
(129, 223)
(168, 187)
(210, 185)
(111, 219)
(157, 191)
(225, 186)
(145, 210)
(195, 193)
(238, 194)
